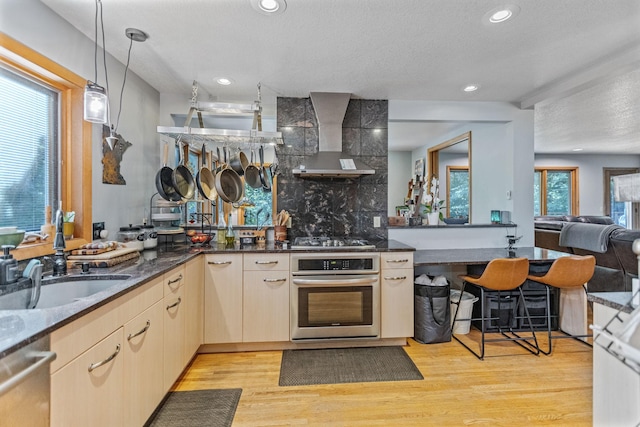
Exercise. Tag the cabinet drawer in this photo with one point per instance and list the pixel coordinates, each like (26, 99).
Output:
(390, 260)
(219, 262)
(173, 280)
(265, 262)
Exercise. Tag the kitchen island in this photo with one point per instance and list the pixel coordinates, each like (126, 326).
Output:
(21, 327)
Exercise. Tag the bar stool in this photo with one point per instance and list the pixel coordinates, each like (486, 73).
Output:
(569, 272)
(501, 274)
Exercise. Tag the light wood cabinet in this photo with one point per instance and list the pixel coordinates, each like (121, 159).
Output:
(265, 306)
(174, 326)
(143, 361)
(223, 298)
(194, 307)
(396, 293)
(88, 390)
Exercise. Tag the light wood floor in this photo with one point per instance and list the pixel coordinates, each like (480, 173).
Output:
(509, 388)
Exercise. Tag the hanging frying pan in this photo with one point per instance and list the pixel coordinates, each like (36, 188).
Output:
(265, 177)
(252, 174)
(229, 185)
(164, 180)
(204, 178)
(182, 179)
(235, 162)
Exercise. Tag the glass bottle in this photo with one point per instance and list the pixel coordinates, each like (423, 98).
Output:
(221, 232)
(230, 236)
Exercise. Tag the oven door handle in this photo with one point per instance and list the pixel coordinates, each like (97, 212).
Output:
(335, 282)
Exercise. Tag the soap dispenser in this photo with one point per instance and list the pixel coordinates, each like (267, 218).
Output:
(8, 266)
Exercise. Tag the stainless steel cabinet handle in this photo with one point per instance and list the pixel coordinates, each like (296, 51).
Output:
(219, 262)
(395, 278)
(46, 357)
(398, 260)
(140, 332)
(175, 304)
(266, 262)
(107, 360)
(274, 280)
(171, 282)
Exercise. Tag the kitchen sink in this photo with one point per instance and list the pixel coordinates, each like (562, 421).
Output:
(60, 291)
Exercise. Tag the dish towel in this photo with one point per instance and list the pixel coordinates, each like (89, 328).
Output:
(591, 237)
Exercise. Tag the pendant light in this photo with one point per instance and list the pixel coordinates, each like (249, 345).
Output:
(96, 103)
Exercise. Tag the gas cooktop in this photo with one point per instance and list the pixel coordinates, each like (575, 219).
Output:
(328, 243)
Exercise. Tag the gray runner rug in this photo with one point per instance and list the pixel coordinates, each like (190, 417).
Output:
(347, 365)
(197, 408)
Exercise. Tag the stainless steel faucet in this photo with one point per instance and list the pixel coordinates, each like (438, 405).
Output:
(59, 258)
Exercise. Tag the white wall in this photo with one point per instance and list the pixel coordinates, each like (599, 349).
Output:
(590, 174)
(35, 25)
(502, 143)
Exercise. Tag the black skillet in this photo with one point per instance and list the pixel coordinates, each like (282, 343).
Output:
(182, 179)
(164, 180)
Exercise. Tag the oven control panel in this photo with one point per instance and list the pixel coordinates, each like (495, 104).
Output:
(333, 264)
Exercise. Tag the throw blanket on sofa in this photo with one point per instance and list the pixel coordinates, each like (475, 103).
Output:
(592, 237)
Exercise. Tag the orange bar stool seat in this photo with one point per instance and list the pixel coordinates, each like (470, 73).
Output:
(569, 272)
(501, 274)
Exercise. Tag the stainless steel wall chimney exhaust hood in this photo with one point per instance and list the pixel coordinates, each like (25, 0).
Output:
(331, 162)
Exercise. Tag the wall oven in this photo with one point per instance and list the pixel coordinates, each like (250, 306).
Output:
(335, 295)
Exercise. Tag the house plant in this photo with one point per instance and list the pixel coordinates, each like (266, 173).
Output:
(432, 202)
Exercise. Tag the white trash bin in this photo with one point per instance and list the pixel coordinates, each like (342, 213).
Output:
(465, 312)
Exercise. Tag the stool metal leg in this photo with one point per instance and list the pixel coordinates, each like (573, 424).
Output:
(533, 348)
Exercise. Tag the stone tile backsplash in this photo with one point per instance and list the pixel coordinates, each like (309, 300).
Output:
(334, 207)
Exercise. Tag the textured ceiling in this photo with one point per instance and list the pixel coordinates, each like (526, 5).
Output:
(383, 49)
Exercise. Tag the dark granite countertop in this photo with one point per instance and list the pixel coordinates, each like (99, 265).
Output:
(481, 255)
(616, 300)
(21, 327)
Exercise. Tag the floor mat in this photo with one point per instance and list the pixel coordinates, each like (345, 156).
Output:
(347, 365)
(194, 408)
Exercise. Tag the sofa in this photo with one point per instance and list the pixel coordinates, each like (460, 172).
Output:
(615, 267)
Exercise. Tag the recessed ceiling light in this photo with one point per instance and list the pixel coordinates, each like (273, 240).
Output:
(501, 14)
(269, 7)
(471, 88)
(224, 81)
(577, 149)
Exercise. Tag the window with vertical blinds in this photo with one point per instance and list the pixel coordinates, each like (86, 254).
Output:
(29, 150)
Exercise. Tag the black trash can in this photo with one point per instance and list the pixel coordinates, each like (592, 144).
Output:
(432, 322)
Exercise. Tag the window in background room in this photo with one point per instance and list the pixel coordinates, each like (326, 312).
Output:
(457, 192)
(622, 213)
(29, 150)
(555, 191)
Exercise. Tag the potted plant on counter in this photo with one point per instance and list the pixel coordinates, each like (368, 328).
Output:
(432, 203)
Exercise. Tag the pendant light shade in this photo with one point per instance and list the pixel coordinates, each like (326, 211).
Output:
(95, 103)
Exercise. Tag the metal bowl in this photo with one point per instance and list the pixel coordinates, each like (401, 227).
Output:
(13, 239)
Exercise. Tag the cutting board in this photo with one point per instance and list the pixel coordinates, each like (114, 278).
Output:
(91, 251)
(103, 263)
(107, 255)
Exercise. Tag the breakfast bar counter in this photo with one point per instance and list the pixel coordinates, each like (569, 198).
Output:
(482, 255)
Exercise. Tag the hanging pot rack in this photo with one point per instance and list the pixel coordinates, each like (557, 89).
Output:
(190, 135)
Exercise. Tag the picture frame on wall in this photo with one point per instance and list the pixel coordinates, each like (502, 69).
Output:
(419, 168)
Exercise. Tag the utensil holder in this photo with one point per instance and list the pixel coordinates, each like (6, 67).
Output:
(280, 233)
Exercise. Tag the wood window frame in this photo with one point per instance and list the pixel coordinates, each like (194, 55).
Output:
(575, 197)
(75, 141)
